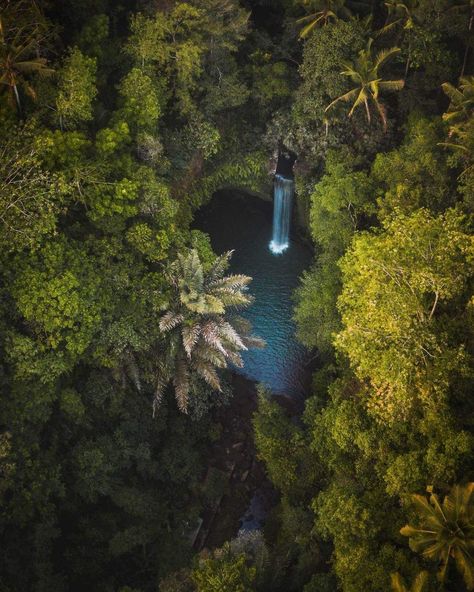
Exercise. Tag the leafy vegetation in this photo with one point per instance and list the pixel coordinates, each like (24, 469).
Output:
(120, 327)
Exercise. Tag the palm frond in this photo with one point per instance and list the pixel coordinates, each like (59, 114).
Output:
(208, 373)
(206, 353)
(160, 386)
(235, 359)
(252, 341)
(382, 112)
(391, 85)
(230, 282)
(360, 100)
(387, 28)
(231, 336)
(311, 26)
(454, 94)
(397, 583)
(345, 97)
(384, 55)
(219, 266)
(190, 335)
(465, 567)
(170, 320)
(421, 582)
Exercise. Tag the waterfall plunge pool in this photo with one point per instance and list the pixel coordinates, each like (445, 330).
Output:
(243, 223)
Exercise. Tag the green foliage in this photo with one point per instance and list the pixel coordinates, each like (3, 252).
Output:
(340, 203)
(414, 175)
(141, 100)
(248, 173)
(460, 117)
(224, 572)
(93, 35)
(397, 285)
(278, 442)
(270, 79)
(445, 531)
(153, 245)
(21, 44)
(60, 295)
(322, 58)
(364, 72)
(109, 140)
(31, 196)
(201, 242)
(326, 10)
(200, 336)
(77, 89)
(315, 313)
(101, 301)
(321, 582)
(204, 137)
(178, 43)
(63, 152)
(106, 199)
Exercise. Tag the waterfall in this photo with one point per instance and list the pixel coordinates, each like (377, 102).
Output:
(282, 200)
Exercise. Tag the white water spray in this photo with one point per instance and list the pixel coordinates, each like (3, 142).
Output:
(282, 200)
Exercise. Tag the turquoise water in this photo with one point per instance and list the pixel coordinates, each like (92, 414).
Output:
(236, 221)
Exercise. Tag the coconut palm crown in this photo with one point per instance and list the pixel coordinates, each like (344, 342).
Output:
(322, 12)
(18, 60)
(364, 73)
(446, 531)
(462, 101)
(459, 117)
(201, 331)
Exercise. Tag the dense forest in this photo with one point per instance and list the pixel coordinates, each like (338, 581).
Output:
(121, 329)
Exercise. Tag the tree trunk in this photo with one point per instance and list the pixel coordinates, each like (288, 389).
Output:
(433, 308)
(407, 65)
(18, 102)
(367, 110)
(466, 51)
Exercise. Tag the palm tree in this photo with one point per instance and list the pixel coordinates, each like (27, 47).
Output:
(364, 72)
(323, 12)
(200, 335)
(459, 116)
(403, 15)
(462, 101)
(446, 531)
(466, 6)
(419, 583)
(18, 60)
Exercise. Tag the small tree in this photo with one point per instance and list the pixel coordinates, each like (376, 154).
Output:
(77, 89)
(200, 334)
